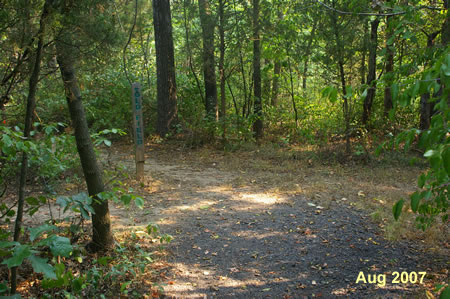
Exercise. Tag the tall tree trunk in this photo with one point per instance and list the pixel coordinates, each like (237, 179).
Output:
(222, 79)
(346, 108)
(275, 82)
(102, 237)
(258, 124)
(31, 103)
(345, 105)
(165, 67)
(209, 71)
(371, 76)
(389, 68)
(291, 91)
(364, 51)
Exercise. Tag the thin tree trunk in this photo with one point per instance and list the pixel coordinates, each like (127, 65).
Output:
(102, 237)
(291, 81)
(209, 72)
(258, 124)
(31, 103)
(364, 51)
(345, 105)
(371, 77)
(388, 103)
(222, 78)
(165, 67)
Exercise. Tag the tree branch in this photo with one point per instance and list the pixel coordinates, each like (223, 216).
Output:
(375, 13)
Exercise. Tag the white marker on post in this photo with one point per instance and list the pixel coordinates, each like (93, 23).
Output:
(136, 98)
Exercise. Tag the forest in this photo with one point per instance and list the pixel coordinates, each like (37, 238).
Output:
(224, 148)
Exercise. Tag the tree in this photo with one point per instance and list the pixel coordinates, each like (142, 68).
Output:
(222, 78)
(102, 237)
(31, 103)
(371, 76)
(258, 124)
(209, 72)
(389, 65)
(165, 67)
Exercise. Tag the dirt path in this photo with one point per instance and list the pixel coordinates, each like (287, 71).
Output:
(237, 240)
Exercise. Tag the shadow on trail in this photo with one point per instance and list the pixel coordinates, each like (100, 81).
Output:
(287, 249)
(241, 242)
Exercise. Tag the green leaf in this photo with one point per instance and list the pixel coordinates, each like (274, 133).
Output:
(7, 141)
(33, 201)
(330, 93)
(59, 270)
(139, 202)
(40, 265)
(364, 94)
(124, 286)
(415, 201)
(421, 181)
(378, 150)
(77, 284)
(445, 293)
(446, 159)
(7, 244)
(3, 288)
(397, 208)
(107, 142)
(104, 260)
(82, 197)
(37, 231)
(60, 246)
(126, 199)
(20, 253)
(394, 91)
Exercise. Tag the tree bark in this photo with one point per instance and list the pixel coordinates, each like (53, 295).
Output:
(209, 67)
(222, 79)
(258, 124)
(345, 105)
(291, 91)
(371, 76)
(389, 68)
(102, 237)
(364, 51)
(165, 67)
(31, 104)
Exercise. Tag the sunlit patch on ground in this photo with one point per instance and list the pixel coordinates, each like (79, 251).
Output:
(262, 198)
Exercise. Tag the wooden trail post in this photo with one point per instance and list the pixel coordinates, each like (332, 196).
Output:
(136, 99)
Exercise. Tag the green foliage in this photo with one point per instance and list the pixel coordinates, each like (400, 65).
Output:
(432, 197)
